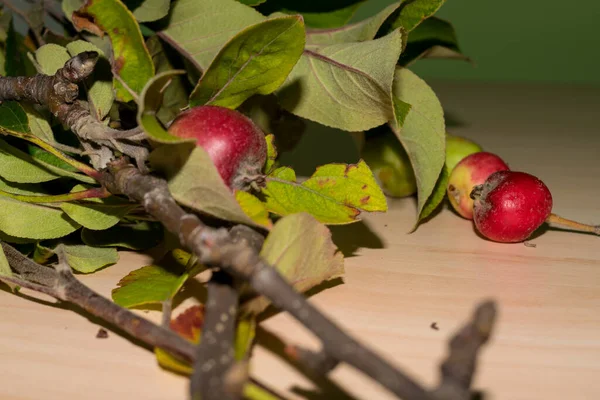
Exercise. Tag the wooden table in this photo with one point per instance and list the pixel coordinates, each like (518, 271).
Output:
(547, 345)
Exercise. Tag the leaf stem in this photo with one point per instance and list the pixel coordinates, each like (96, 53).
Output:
(93, 193)
(574, 225)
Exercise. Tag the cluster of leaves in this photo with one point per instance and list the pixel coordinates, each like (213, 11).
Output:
(278, 61)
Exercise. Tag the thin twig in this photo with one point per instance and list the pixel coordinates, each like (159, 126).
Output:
(318, 362)
(458, 369)
(62, 285)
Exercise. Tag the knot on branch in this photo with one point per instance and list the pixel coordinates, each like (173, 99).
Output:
(79, 67)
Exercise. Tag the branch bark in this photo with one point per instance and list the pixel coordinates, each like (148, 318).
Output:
(216, 353)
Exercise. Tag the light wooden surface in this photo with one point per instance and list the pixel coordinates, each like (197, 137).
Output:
(547, 345)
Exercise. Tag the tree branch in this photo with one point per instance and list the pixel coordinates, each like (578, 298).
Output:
(216, 354)
(59, 94)
(212, 246)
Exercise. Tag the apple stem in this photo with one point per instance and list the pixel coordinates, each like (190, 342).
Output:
(568, 223)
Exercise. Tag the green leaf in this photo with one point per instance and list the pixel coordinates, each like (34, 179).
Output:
(34, 221)
(48, 158)
(195, 182)
(86, 259)
(412, 13)
(254, 208)
(271, 153)
(334, 194)
(436, 198)
(255, 61)
(17, 166)
(134, 236)
(175, 96)
(38, 125)
(302, 251)
(27, 189)
(132, 62)
(345, 86)
(419, 124)
(148, 10)
(330, 19)
(433, 38)
(201, 28)
(252, 3)
(357, 32)
(152, 284)
(17, 63)
(151, 101)
(13, 117)
(100, 93)
(50, 58)
(97, 214)
(56, 165)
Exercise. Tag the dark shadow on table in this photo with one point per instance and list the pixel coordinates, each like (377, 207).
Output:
(349, 238)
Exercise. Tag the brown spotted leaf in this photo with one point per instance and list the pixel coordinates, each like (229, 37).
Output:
(302, 251)
(334, 194)
(132, 61)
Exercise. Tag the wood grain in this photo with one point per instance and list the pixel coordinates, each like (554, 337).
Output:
(547, 345)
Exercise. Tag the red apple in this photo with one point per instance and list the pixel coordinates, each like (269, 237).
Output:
(471, 171)
(234, 143)
(510, 206)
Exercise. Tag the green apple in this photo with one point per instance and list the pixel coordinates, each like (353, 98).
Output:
(458, 148)
(390, 164)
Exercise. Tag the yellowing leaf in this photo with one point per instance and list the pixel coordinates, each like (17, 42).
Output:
(254, 208)
(419, 124)
(302, 251)
(132, 62)
(334, 194)
(271, 153)
(345, 86)
(256, 61)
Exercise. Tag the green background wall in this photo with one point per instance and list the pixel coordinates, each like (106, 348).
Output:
(518, 40)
